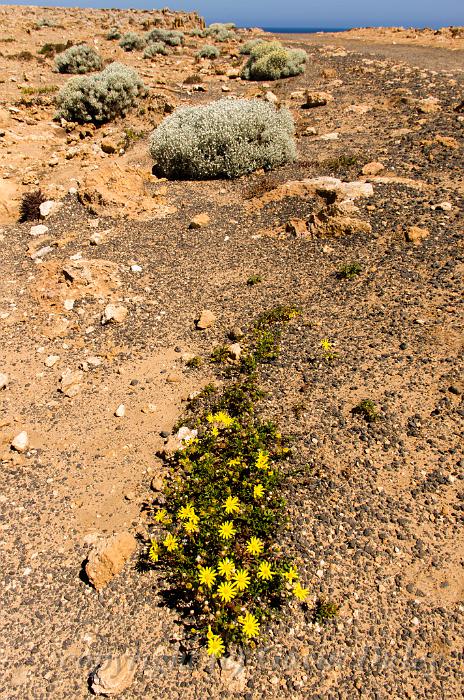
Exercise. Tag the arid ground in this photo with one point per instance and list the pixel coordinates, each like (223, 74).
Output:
(377, 508)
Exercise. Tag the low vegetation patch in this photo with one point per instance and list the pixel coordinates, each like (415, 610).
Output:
(50, 49)
(132, 42)
(367, 409)
(227, 138)
(100, 97)
(78, 59)
(29, 209)
(217, 535)
(171, 37)
(208, 51)
(349, 271)
(154, 49)
(271, 61)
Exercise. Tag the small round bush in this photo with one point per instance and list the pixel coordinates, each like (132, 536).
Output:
(227, 138)
(271, 61)
(245, 50)
(155, 48)
(197, 32)
(132, 42)
(113, 34)
(78, 59)
(101, 97)
(167, 36)
(208, 51)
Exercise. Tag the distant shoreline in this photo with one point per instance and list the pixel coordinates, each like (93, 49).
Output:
(304, 30)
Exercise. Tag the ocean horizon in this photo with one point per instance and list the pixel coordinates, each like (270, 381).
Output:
(304, 30)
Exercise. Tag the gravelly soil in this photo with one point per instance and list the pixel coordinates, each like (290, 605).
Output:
(377, 512)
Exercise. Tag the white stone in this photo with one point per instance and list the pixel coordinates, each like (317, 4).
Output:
(136, 268)
(68, 304)
(20, 443)
(113, 313)
(120, 412)
(333, 136)
(51, 360)
(4, 380)
(39, 230)
(114, 676)
(46, 208)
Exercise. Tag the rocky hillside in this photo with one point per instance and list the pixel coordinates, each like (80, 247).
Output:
(124, 293)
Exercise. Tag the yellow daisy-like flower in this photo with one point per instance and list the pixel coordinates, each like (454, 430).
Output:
(171, 543)
(250, 625)
(215, 645)
(161, 515)
(220, 417)
(226, 567)
(233, 462)
(227, 530)
(291, 574)
(154, 551)
(206, 575)
(326, 344)
(265, 572)
(262, 461)
(214, 431)
(187, 512)
(300, 592)
(231, 505)
(242, 579)
(258, 491)
(254, 546)
(227, 591)
(190, 527)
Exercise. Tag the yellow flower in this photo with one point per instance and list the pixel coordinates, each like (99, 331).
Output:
(291, 574)
(154, 551)
(265, 572)
(301, 593)
(191, 526)
(227, 530)
(254, 546)
(262, 461)
(250, 625)
(206, 575)
(233, 462)
(258, 491)
(227, 591)
(226, 567)
(326, 344)
(215, 645)
(242, 579)
(171, 543)
(214, 431)
(220, 417)
(231, 505)
(187, 512)
(161, 515)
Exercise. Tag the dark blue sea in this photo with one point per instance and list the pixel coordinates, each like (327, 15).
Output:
(303, 30)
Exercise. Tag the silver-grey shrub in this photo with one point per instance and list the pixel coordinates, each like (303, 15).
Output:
(245, 50)
(208, 51)
(78, 59)
(155, 48)
(227, 138)
(132, 42)
(271, 61)
(113, 34)
(168, 36)
(101, 97)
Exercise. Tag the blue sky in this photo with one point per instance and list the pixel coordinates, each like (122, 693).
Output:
(303, 13)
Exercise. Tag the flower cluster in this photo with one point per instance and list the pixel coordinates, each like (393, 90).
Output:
(216, 534)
